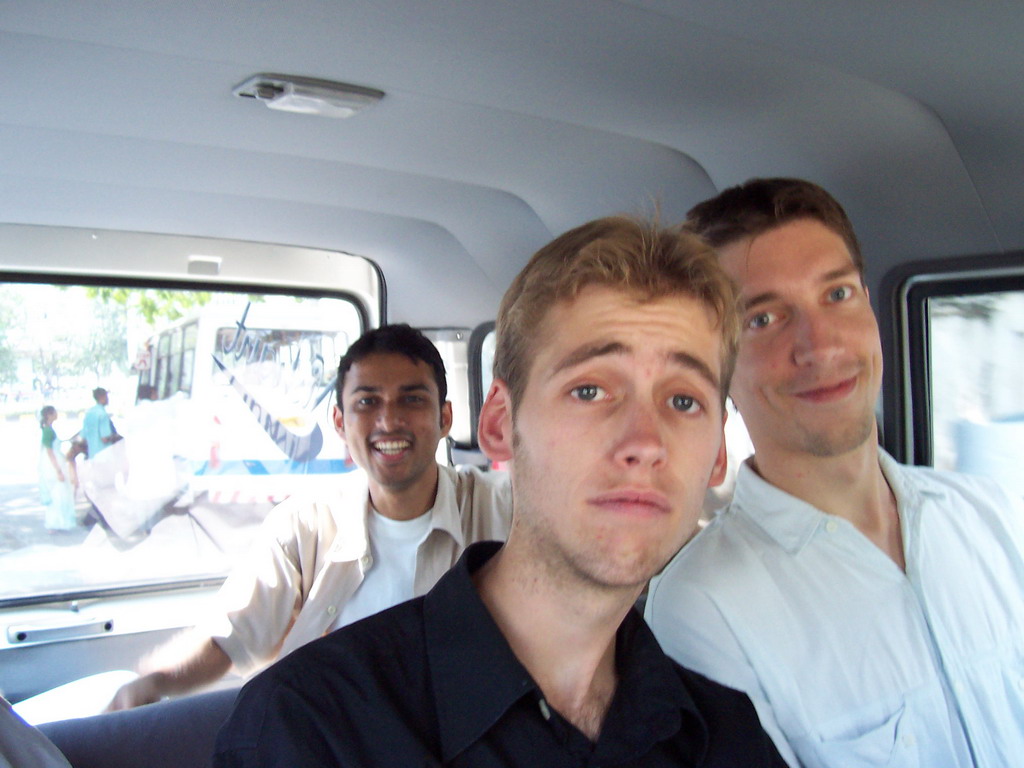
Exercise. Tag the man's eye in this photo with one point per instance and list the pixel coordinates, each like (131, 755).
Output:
(587, 392)
(684, 404)
(841, 293)
(760, 320)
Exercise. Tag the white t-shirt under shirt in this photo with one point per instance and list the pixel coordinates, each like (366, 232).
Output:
(389, 580)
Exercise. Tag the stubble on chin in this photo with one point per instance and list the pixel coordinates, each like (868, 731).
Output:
(828, 443)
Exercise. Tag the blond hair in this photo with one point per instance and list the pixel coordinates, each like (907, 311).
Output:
(634, 256)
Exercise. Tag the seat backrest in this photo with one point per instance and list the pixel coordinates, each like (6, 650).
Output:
(178, 733)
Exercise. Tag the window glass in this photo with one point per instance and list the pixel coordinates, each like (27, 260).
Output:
(188, 357)
(453, 347)
(487, 361)
(217, 406)
(977, 383)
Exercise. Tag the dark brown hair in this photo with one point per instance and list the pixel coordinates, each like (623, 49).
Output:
(758, 205)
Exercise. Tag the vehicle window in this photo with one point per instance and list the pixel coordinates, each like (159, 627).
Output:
(218, 404)
(963, 365)
(481, 370)
(453, 346)
(976, 391)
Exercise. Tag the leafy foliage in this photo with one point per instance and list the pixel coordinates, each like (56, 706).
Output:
(8, 358)
(152, 304)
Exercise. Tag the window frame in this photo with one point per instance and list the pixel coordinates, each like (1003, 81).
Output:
(476, 376)
(157, 585)
(907, 407)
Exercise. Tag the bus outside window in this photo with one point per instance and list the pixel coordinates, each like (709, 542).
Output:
(977, 365)
(221, 403)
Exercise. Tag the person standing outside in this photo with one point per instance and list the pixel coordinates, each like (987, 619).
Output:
(97, 428)
(386, 534)
(97, 434)
(873, 612)
(55, 487)
(614, 347)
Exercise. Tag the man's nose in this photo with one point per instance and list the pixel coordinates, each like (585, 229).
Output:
(390, 416)
(641, 442)
(815, 339)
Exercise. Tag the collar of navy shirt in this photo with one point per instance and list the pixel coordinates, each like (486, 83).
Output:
(476, 676)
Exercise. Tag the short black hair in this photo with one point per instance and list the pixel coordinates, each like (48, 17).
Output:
(758, 205)
(398, 339)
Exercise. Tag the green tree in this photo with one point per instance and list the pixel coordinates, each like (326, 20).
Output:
(101, 348)
(8, 358)
(151, 303)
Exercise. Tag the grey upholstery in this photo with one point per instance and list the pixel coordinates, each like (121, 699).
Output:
(178, 733)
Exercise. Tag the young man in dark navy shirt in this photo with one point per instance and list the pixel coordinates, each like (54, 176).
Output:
(615, 347)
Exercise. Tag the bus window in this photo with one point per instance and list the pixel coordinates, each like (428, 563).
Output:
(963, 364)
(481, 370)
(188, 357)
(221, 405)
(977, 366)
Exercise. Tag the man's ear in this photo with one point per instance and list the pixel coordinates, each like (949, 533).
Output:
(494, 429)
(446, 418)
(338, 417)
(722, 460)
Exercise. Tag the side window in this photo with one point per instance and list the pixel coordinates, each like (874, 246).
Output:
(962, 366)
(452, 345)
(481, 369)
(219, 402)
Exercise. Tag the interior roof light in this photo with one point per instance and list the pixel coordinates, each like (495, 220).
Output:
(308, 95)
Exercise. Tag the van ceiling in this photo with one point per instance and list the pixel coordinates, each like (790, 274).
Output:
(506, 123)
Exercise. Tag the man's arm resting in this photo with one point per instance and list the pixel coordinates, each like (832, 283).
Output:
(205, 664)
(692, 630)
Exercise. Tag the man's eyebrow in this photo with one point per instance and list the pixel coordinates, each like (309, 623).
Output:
(759, 298)
(373, 389)
(364, 388)
(590, 351)
(769, 296)
(686, 360)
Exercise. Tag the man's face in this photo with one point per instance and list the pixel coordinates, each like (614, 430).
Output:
(392, 420)
(617, 436)
(810, 361)
(101, 398)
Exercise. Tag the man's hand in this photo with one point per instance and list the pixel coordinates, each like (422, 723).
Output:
(201, 665)
(143, 690)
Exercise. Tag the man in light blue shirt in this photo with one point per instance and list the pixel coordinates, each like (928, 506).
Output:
(97, 428)
(874, 613)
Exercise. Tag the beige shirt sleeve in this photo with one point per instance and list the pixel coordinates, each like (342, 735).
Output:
(306, 559)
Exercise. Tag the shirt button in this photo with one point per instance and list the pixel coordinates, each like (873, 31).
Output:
(366, 561)
(909, 740)
(544, 709)
(831, 526)
(330, 610)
